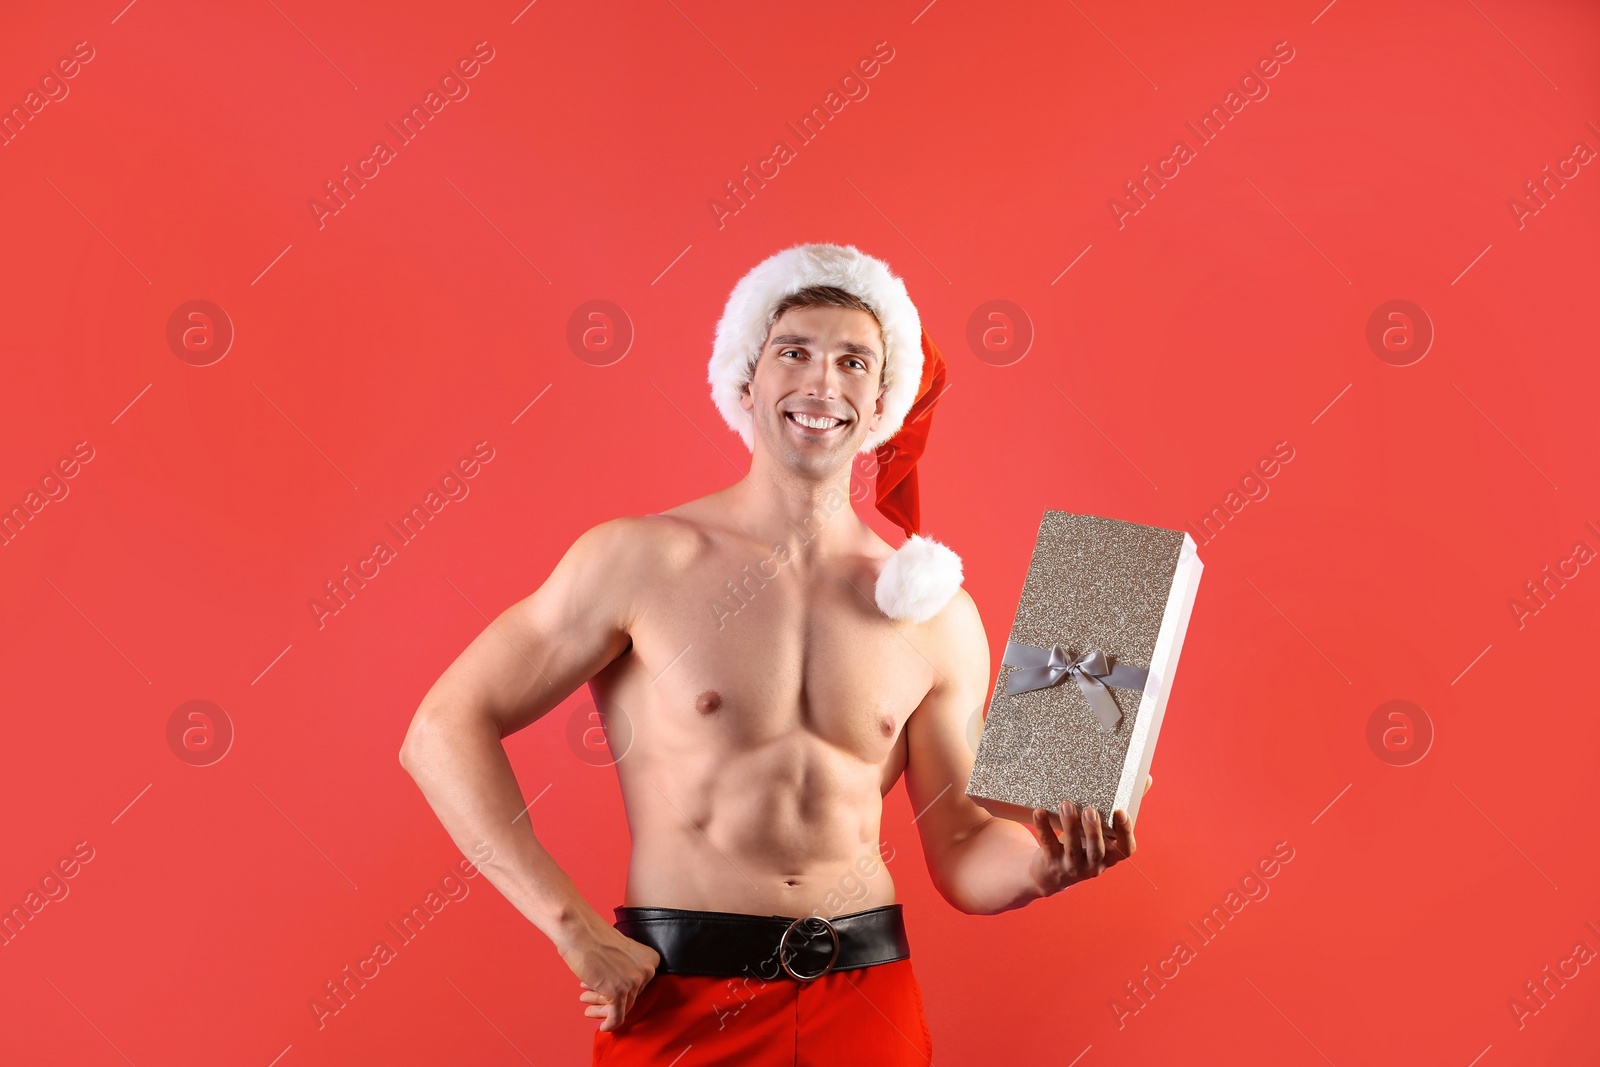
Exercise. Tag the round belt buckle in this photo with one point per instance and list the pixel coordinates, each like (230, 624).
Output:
(783, 941)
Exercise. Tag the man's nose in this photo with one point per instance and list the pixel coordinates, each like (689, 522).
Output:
(822, 379)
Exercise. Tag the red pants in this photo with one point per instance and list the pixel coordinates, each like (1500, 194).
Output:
(869, 1015)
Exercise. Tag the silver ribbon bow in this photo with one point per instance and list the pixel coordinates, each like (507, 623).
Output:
(1040, 668)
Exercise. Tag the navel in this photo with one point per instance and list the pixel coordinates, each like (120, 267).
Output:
(708, 702)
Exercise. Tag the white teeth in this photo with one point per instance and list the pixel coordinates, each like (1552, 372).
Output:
(813, 421)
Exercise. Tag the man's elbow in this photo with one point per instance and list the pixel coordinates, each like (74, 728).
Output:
(953, 893)
(420, 738)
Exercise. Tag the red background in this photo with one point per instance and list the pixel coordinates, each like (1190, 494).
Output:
(1228, 315)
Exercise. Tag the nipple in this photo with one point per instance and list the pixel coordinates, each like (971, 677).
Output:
(886, 724)
(708, 702)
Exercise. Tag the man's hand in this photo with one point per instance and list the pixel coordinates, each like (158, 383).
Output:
(612, 969)
(1082, 851)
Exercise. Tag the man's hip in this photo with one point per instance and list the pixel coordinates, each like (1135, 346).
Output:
(757, 990)
(772, 947)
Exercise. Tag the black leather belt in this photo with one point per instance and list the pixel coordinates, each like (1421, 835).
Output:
(768, 946)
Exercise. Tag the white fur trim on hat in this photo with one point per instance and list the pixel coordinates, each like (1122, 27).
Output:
(918, 580)
(746, 319)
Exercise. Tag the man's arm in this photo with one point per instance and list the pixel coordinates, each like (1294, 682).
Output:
(983, 864)
(526, 662)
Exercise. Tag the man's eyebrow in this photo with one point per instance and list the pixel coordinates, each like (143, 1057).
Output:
(796, 339)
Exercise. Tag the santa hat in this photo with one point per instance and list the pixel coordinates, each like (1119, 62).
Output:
(923, 574)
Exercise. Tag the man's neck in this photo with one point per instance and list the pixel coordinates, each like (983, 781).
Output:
(813, 517)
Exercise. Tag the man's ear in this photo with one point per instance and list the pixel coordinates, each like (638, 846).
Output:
(746, 401)
(877, 413)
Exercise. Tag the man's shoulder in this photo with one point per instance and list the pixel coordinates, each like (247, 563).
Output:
(640, 541)
(956, 643)
(958, 622)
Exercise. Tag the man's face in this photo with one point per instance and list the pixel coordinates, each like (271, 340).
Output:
(823, 364)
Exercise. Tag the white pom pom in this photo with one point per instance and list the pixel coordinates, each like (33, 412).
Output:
(918, 580)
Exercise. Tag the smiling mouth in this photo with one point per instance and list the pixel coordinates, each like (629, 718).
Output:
(814, 423)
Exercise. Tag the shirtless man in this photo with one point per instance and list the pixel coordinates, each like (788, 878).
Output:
(757, 736)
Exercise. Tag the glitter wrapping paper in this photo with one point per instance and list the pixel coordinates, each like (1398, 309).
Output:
(1093, 583)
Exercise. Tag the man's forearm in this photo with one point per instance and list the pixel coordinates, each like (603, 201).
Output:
(462, 768)
(989, 871)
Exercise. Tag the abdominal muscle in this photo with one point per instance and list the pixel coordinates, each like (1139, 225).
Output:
(786, 828)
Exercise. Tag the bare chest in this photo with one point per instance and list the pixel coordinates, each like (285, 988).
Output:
(740, 653)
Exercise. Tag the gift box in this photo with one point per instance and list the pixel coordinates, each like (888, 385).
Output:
(1083, 684)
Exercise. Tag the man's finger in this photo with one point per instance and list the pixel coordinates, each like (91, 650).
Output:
(1072, 834)
(1122, 844)
(1094, 842)
(1047, 836)
(1149, 780)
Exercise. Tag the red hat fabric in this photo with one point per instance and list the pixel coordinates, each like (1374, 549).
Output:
(898, 498)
